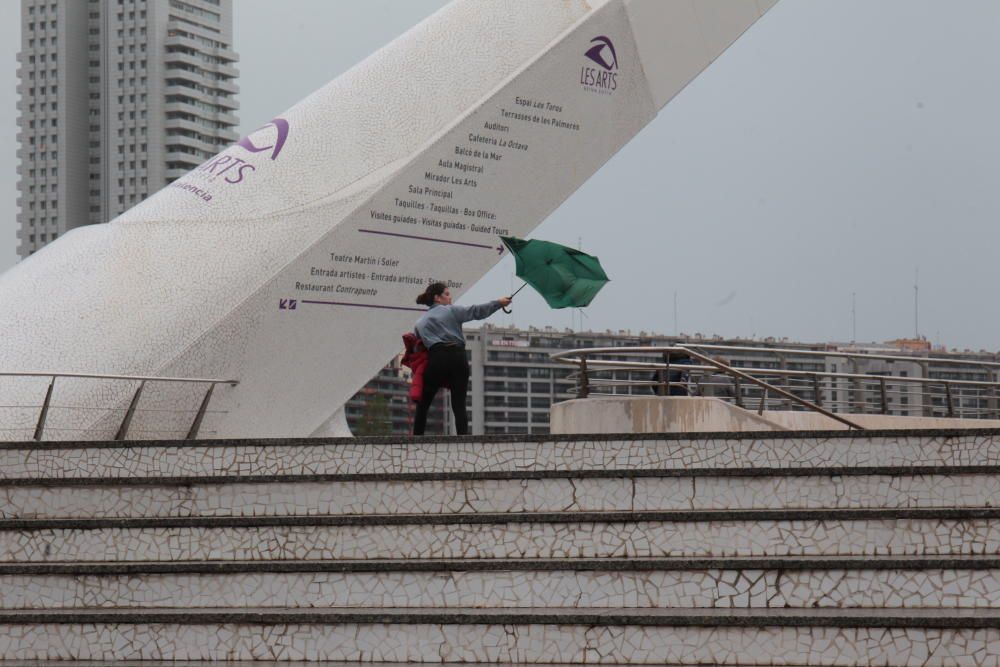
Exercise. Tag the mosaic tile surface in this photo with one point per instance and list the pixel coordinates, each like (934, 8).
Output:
(516, 495)
(526, 540)
(928, 589)
(839, 647)
(505, 589)
(429, 457)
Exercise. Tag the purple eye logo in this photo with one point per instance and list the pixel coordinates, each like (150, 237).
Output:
(597, 53)
(232, 169)
(602, 79)
(277, 142)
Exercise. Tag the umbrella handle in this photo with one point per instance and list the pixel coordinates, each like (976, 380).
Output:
(512, 296)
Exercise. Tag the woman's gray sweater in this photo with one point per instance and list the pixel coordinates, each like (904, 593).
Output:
(443, 324)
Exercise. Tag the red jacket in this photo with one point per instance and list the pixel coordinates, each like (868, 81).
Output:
(415, 358)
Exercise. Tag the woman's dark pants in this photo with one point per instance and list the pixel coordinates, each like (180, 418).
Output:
(446, 365)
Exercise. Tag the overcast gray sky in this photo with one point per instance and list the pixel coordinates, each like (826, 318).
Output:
(837, 148)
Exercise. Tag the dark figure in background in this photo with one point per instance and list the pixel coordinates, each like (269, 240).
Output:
(717, 384)
(677, 377)
(440, 329)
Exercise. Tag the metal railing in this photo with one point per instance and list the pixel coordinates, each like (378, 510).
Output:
(123, 428)
(776, 386)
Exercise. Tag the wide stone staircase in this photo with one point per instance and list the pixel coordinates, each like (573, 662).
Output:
(830, 548)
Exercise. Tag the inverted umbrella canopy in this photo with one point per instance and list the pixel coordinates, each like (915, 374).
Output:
(566, 278)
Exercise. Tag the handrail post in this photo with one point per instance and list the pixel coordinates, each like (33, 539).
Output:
(584, 391)
(991, 399)
(885, 400)
(817, 393)
(738, 390)
(926, 400)
(856, 395)
(196, 424)
(783, 365)
(951, 404)
(763, 400)
(40, 426)
(666, 373)
(123, 429)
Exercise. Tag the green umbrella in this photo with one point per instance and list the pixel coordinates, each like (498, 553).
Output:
(565, 277)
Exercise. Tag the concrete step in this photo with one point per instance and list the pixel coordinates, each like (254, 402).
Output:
(666, 637)
(743, 549)
(777, 583)
(721, 533)
(484, 454)
(232, 663)
(542, 491)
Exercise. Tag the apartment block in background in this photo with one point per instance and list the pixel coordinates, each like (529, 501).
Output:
(116, 99)
(514, 381)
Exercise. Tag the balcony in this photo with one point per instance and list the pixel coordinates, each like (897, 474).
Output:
(182, 158)
(224, 134)
(191, 141)
(202, 97)
(196, 60)
(208, 114)
(224, 53)
(197, 78)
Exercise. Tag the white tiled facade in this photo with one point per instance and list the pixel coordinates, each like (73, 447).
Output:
(117, 98)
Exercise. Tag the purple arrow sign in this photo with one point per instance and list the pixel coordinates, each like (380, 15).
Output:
(363, 305)
(498, 248)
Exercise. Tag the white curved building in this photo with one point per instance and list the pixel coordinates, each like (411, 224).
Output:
(290, 261)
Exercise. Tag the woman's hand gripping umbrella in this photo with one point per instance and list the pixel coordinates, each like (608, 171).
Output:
(566, 278)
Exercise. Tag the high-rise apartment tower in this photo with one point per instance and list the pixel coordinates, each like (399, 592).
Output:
(117, 98)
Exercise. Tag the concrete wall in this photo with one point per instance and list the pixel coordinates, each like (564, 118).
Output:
(654, 414)
(811, 421)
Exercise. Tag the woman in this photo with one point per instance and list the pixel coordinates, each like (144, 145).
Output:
(440, 329)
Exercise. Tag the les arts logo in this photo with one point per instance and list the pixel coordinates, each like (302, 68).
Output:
(602, 79)
(233, 166)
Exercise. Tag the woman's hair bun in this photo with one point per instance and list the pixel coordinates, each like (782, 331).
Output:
(426, 297)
